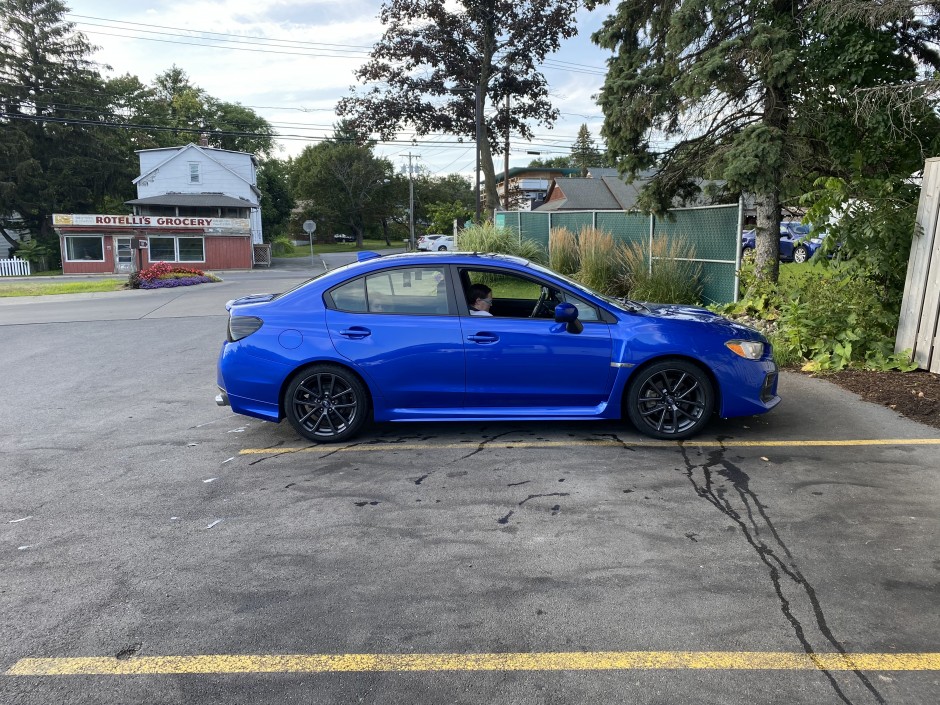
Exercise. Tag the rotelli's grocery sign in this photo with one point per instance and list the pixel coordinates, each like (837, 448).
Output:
(148, 221)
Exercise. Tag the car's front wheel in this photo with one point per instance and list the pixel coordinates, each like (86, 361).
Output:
(442, 248)
(800, 254)
(326, 403)
(672, 399)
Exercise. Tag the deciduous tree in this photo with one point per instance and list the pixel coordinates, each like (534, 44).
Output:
(435, 59)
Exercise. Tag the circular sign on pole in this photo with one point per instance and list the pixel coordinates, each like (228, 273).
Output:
(310, 228)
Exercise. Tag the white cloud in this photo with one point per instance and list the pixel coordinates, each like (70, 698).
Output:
(295, 59)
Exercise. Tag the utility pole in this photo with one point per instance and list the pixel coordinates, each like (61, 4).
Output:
(506, 161)
(411, 202)
(478, 115)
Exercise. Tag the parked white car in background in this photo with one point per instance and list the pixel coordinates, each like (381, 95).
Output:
(436, 243)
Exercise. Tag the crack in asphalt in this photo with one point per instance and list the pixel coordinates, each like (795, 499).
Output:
(482, 444)
(752, 524)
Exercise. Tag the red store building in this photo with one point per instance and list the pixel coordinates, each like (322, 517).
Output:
(196, 206)
(121, 244)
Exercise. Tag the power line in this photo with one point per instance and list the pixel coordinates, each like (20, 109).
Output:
(222, 34)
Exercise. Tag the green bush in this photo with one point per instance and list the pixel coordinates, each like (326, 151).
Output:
(281, 246)
(563, 255)
(671, 280)
(486, 237)
(823, 318)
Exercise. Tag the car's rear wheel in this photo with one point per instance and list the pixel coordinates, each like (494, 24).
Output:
(672, 399)
(326, 403)
(800, 254)
(442, 248)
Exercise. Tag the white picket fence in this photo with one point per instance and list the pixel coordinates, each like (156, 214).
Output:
(919, 327)
(14, 267)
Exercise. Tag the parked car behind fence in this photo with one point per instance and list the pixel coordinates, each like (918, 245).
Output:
(796, 244)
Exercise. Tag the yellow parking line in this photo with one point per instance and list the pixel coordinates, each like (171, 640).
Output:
(570, 661)
(384, 447)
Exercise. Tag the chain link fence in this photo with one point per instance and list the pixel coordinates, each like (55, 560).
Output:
(714, 233)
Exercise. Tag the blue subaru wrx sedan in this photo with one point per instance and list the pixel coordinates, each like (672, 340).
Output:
(392, 338)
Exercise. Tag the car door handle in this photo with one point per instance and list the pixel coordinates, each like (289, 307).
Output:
(483, 338)
(356, 333)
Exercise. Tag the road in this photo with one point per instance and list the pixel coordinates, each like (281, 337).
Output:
(159, 549)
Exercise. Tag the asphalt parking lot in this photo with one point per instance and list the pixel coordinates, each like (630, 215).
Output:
(159, 549)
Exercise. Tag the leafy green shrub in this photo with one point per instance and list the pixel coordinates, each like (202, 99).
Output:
(597, 252)
(563, 255)
(671, 280)
(281, 246)
(486, 237)
(823, 318)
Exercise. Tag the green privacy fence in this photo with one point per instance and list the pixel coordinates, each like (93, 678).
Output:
(713, 231)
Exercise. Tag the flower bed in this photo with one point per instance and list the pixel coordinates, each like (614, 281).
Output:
(162, 275)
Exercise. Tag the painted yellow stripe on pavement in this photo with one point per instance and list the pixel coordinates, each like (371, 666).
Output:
(384, 447)
(571, 661)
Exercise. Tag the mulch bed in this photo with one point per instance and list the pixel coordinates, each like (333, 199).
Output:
(915, 395)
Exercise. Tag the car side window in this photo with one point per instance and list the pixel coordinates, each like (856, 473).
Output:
(521, 297)
(410, 290)
(351, 296)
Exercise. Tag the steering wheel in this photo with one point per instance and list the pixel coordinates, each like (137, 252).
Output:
(541, 306)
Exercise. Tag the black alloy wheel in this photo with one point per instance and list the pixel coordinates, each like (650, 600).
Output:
(671, 400)
(326, 403)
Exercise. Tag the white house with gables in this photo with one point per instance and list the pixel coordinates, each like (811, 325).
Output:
(198, 181)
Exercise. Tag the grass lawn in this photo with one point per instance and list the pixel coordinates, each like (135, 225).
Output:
(304, 250)
(33, 288)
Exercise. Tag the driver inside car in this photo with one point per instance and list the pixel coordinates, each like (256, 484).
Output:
(479, 299)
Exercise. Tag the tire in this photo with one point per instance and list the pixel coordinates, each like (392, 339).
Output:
(747, 255)
(442, 248)
(672, 399)
(800, 254)
(326, 403)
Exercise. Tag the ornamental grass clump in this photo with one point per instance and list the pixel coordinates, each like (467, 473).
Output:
(162, 275)
(486, 237)
(598, 262)
(672, 279)
(563, 255)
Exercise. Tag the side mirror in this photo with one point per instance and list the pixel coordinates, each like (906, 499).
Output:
(568, 314)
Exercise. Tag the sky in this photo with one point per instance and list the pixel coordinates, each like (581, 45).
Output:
(291, 61)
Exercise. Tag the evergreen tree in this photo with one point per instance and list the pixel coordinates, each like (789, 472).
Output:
(48, 82)
(584, 153)
(753, 92)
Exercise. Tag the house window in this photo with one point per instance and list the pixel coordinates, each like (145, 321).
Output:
(84, 248)
(194, 176)
(177, 249)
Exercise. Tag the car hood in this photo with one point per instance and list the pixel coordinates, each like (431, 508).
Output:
(693, 314)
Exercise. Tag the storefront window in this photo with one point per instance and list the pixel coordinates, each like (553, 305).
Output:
(191, 249)
(162, 249)
(172, 249)
(84, 248)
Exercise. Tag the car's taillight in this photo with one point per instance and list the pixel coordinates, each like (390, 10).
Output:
(242, 326)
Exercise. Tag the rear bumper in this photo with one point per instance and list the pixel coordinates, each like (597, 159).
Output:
(221, 399)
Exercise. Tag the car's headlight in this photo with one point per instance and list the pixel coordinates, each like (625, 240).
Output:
(242, 326)
(750, 349)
